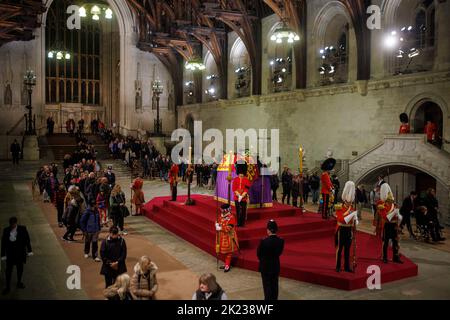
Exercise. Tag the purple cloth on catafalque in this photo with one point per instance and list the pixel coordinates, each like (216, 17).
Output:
(259, 193)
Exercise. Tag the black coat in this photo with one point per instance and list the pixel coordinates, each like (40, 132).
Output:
(113, 250)
(269, 252)
(16, 251)
(407, 206)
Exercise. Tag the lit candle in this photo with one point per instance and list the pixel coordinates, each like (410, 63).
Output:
(300, 154)
(230, 163)
(190, 155)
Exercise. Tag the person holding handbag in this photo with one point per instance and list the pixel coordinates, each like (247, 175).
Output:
(118, 208)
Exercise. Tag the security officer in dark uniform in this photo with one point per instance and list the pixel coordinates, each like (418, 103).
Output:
(269, 252)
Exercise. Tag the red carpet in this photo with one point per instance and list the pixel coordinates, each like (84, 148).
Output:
(309, 253)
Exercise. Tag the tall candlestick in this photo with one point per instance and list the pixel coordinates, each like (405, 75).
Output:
(230, 163)
(190, 155)
(300, 154)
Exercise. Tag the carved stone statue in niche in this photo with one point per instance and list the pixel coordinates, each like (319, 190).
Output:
(7, 99)
(138, 89)
(138, 95)
(7, 96)
(171, 101)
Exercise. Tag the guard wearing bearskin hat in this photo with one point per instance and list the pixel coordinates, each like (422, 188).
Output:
(404, 127)
(173, 181)
(347, 218)
(327, 185)
(390, 219)
(226, 238)
(240, 186)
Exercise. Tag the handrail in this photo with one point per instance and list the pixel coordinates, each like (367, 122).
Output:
(16, 125)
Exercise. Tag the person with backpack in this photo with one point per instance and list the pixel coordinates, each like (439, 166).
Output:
(113, 253)
(144, 283)
(90, 225)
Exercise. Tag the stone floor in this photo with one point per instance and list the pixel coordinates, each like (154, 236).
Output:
(180, 262)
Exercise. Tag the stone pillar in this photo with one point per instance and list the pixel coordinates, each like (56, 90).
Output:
(442, 61)
(31, 148)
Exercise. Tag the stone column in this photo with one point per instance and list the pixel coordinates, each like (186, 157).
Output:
(442, 45)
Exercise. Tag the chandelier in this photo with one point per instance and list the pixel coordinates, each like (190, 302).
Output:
(284, 33)
(157, 87)
(403, 42)
(96, 11)
(59, 55)
(195, 64)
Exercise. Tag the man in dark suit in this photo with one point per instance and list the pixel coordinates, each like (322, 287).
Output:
(16, 246)
(269, 252)
(15, 151)
(407, 209)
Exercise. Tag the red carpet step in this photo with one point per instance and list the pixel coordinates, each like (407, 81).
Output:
(309, 253)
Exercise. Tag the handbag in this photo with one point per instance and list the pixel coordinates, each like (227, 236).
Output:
(125, 211)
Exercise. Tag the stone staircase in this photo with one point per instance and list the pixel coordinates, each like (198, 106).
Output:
(410, 150)
(56, 146)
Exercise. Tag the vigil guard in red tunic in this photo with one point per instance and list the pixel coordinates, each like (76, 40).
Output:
(226, 238)
(404, 127)
(390, 218)
(240, 186)
(347, 219)
(173, 181)
(327, 186)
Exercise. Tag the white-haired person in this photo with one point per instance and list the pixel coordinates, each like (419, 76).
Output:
(209, 289)
(144, 283)
(120, 290)
(390, 219)
(347, 218)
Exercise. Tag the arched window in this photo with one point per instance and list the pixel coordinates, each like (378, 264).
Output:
(240, 62)
(421, 22)
(79, 60)
(280, 63)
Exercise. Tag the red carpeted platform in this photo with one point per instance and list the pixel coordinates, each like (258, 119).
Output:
(309, 253)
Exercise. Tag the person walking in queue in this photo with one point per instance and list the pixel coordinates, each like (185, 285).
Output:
(113, 253)
(144, 283)
(286, 183)
(117, 206)
(138, 198)
(407, 210)
(296, 181)
(120, 290)
(90, 225)
(59, 203)
(269, 252)
(15, 248)
(15, 151)
(274, 184)
(240, 187)
(315, 185)
(346, 217)
(361, 199)
(327, 186)
(209, 289)
(50, 125)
